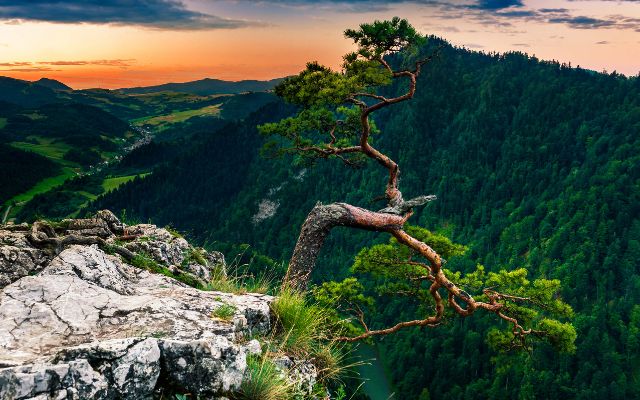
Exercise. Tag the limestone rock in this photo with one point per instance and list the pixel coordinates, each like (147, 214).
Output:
(83, 324)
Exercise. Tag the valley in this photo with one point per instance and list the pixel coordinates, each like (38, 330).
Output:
(91, 151)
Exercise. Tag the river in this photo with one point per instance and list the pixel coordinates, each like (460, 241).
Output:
(376, 382)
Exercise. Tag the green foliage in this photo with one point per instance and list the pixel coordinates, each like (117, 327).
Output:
(317, 86)
(314, 127)
(323, 122)
(83, 157)
(562, 336)
(224, 312)
(393, 269)
(382, 38)
(305, 328)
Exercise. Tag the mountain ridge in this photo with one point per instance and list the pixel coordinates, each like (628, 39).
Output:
(207, 86)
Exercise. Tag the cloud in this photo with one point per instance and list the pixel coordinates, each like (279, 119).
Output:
(497, 4)
(582, 22)
(28, 66)
(159, 14)
(608, 22)
(553, 10)
(121, 63)
(522, 44)
(29, 69)
(602, 42)
(517, 13)
(14, 64)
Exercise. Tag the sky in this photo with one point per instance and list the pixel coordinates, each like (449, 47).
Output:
(124, 43)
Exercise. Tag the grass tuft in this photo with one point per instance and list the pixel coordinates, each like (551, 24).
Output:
(143, 261)
(224, 312)
(300, 325)
(263, 381)
(174, 232)
(193, 256)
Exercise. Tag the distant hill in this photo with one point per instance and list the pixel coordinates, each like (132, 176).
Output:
(81, 126)
(52, 84)
(25, 93)
(207, 86)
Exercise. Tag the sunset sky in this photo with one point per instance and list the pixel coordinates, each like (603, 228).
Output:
(122, 43)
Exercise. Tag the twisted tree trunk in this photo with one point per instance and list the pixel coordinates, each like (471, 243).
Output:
(317, 226)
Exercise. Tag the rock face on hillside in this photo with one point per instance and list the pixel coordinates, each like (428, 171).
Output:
(79, 323)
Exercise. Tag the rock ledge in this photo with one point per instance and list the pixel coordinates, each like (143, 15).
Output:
(79, 323)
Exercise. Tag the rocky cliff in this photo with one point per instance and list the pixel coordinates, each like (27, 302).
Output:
(94, 309)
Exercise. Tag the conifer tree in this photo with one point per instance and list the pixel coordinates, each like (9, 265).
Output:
(334, 121)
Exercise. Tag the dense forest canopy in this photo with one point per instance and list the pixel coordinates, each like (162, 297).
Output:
(536, 165)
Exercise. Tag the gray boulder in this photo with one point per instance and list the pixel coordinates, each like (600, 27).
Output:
(90, 326)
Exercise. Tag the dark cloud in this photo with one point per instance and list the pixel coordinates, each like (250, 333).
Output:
(553, 10)
(581, 22)
(160, 14)
(602, 42)
(517, 13)
(522, 44)
(497, 4)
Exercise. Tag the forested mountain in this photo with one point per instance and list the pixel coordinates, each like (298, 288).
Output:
(207, 86)
(535, 164)
(52, 84)
(25, 93)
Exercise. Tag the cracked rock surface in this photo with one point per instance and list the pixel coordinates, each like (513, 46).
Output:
(83, 324)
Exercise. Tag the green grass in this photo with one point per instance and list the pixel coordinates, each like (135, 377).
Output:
(174, 232)
(88, 195)
(144, 261)
(53, 150)
(34, 115)
(192, 256)
(300, 325)
(239, 284)
(160, 121)
(263, 381)
(44, 185)
(47, 147)
(3, 123)
(110, 184)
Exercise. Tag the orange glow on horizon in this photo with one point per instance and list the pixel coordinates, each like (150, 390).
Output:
(286, 39)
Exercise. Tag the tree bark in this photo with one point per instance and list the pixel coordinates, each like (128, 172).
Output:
(317, 226)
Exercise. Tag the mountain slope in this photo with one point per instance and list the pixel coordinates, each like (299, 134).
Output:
(535, 164)
(207, 86)
(52, 84)
(25, 93)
